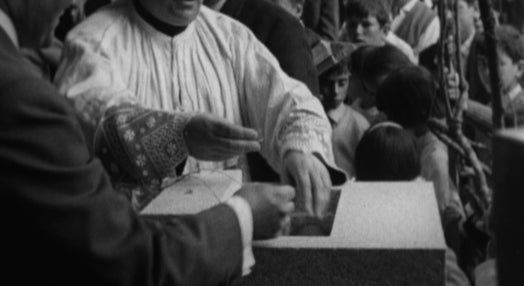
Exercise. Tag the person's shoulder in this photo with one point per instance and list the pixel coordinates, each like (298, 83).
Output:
(518, 102)
(106, 21)
(226, 31)
(355, 116)
(219, 23)
(425, 8)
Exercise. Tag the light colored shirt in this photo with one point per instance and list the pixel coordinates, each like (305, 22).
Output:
(400, 44)
(428, 38)
(216, 65)
(348, 128)
(7, 25)
(466, 47)
(434, 166)
(245, 219)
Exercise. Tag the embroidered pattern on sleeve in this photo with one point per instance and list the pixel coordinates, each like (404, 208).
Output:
(140, 147)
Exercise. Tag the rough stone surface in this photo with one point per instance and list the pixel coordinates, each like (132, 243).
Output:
(383, 234)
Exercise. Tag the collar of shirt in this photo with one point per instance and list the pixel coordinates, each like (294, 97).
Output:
(465, 47)
(162, 27)
(409, 6)
(402, 14)
(7, 25)
(512, 94)
(335, 115)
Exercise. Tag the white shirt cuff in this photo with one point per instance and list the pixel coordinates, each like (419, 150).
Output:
(245, 219)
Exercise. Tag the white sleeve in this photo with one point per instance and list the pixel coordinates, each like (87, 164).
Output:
(245, 219)
(429, 37)
(281, 108)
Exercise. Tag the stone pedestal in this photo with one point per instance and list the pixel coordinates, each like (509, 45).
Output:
(382, 234)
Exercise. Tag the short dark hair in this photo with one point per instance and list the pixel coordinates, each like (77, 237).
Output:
(509, 40)
(364, 8)
(372, 62)
(339, 68)
(409, 97)
(387, 153)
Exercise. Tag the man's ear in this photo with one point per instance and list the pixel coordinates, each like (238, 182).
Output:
(520, 66)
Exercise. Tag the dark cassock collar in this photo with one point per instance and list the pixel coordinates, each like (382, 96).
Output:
(160, 26)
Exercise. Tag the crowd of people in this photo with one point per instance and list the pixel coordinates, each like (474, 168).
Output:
(102, 104)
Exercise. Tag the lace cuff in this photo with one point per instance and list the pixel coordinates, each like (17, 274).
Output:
(141, 146)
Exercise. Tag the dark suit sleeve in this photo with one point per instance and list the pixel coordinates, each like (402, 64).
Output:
(63, 224)
(322, 16)
(289, 45)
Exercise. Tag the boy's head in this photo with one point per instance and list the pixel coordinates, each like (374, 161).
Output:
(468, 15)
(334, 85)
(387, 152)
(371, 65)
(408, 96)
(510, 51)
(368, 21)
(293, 7)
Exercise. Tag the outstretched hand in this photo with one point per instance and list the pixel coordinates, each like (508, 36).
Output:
(311, 179)
(271, 206)
(212, 138)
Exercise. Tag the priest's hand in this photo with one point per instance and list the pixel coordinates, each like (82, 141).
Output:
(211, 138)
(271, 206)
(311, 179)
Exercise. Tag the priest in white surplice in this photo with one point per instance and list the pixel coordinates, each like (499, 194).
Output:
(176, 55)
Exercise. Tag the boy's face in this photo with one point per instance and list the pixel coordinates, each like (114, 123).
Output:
(510, 71)
(366, 30)
(468, 15)
(333, 88)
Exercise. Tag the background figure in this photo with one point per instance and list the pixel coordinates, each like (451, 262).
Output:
(368, 22)
(510, 52)
(369, 67)
(408, 97)
(296, 9)
(387, 152)
(348, 125)
(322, 16)
(468, 15)
(415, 23)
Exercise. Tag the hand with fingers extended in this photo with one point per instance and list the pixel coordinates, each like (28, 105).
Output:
(271, 206)
(311, 179)
(211, 138)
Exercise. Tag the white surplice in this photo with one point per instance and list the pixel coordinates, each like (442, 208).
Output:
(215, 66)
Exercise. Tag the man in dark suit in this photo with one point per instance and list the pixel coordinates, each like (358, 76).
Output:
(285, 38)
(63, 224)
(323, 17)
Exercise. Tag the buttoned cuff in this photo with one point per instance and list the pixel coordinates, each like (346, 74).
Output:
(245, 218)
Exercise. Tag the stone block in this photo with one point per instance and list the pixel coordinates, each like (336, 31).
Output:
(381, 234)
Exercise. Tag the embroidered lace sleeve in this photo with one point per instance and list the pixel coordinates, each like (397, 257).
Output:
(140, 147)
